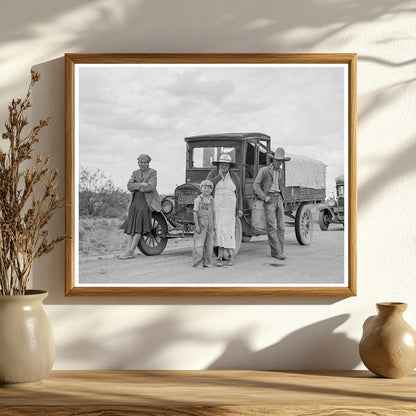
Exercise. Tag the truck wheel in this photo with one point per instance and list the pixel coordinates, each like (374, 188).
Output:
(324, 220)
(304, 225)
(154, 243)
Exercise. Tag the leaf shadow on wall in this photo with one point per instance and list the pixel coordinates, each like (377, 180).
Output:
(403, 162)
(151, 345)
(398, 165)
(133, 26)
(146, 345)
(316, 346)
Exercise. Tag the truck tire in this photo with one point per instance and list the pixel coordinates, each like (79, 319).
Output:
(153, 243)
(304, 224)
(324, 219)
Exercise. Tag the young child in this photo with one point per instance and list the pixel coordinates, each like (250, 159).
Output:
(204, 218)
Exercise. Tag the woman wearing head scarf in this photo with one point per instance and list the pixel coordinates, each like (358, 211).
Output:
(145, 199)
(228, 203)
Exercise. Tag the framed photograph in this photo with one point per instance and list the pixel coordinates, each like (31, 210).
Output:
(211, 174)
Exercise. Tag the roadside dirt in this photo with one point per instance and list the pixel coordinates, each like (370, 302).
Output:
(322, 262)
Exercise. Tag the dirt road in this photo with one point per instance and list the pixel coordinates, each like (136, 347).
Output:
(322, 262)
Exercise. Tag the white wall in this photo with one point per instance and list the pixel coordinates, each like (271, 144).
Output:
(194, 333)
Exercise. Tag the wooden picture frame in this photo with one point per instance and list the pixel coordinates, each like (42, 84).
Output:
(177, 94)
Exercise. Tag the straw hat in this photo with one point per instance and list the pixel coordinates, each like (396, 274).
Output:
(224, 158)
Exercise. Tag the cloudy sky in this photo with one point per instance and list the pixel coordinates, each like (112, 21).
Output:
(128, 110)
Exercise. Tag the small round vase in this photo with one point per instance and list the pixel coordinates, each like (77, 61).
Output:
(27, 347)
(388, 345)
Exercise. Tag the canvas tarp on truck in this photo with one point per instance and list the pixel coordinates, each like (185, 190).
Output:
(305, 172)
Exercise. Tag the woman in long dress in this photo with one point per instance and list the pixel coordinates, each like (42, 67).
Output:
(145, 199)
(228, 203)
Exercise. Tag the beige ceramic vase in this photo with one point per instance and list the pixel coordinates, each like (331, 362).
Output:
(27, 347)
(388, 345)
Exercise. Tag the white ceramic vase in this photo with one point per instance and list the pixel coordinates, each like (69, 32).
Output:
(27, 346)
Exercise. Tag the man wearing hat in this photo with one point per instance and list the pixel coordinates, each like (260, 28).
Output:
(268, 186)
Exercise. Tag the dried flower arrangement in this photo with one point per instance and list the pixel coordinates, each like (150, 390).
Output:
(28, 200)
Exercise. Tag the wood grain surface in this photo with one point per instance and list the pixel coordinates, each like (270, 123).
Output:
(203, 393)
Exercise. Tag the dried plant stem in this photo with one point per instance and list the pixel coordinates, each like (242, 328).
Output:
(23, 217)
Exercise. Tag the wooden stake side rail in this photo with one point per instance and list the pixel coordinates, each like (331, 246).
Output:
(203, 393)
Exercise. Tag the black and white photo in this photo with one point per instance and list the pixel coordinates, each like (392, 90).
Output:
(211, 175)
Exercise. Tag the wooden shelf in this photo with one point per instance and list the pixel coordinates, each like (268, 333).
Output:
(203, 393)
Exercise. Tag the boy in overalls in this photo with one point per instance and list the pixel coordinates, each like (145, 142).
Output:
(204, 218)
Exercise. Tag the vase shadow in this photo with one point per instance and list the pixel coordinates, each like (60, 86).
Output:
(314, 347)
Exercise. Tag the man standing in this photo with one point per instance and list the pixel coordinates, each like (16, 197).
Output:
(268, 186)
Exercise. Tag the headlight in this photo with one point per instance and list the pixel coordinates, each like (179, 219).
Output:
(331, 203)
(167, 206)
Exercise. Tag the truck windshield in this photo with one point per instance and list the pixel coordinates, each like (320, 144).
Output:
(202, 157)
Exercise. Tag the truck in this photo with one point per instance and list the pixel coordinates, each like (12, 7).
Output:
(304, 187)
(332, 211)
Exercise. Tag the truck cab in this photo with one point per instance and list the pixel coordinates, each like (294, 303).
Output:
(250, 151)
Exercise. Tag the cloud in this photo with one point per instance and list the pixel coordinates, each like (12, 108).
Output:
(194, 84)
(241, 107)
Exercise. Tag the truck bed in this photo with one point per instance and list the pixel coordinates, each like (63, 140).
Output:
(293, 194)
